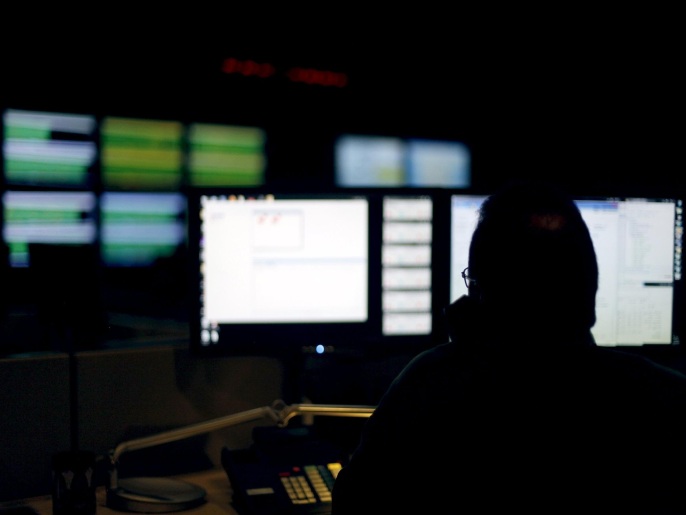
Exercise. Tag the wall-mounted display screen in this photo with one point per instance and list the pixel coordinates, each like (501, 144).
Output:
(139, 228)
(381, 161)
(225, 155)
(53, 217)
(434, 163)
(141, 154)
(362, 161)
(49, 149)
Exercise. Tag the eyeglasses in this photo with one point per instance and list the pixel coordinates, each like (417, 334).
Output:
(468, 281)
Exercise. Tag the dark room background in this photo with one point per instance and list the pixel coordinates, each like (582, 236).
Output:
(593, 118)
(595, 114)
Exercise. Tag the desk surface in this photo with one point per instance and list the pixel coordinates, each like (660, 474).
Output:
(215, 483)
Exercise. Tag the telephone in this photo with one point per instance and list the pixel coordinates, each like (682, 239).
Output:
(286, 471)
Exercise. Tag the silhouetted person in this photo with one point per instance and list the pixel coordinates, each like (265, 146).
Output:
(521, 412)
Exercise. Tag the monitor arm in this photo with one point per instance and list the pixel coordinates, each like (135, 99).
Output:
(279, 413)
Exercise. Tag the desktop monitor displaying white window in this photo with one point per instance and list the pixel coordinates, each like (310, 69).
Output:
(278, 269)
(348, 270)
(638, 244)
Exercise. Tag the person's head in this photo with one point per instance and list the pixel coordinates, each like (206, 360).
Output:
(532, 260)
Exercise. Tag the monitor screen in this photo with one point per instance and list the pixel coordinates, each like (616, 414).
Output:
(53, 217)
(368, 161)
(53, 150)
(638, 244)
(273, 270)
(225, 155)
(141, 154)
(351, 270)
(406, 260)
(137, 229)
(464, 213)
(438, 163)
(386, 161)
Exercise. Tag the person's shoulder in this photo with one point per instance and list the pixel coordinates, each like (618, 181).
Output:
(640, 367)
(432, 368)
(635, 360)
(438, 356)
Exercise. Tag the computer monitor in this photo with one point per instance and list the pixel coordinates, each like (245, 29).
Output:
(277, 272)
(140, 154)
(49, 150)
(369, 161)
(317, 271)
(137, 229)
(438, 163)
(53, 217)
(638, 243)
(225, 155)
(407, 264)
(391, 161)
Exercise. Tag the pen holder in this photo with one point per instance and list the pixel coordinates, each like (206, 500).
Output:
(73, 483)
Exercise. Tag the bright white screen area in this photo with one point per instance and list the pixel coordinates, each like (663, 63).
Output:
(634, 241)
(268, 260)
(406, 265)
(638, 245)
(464, 213)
